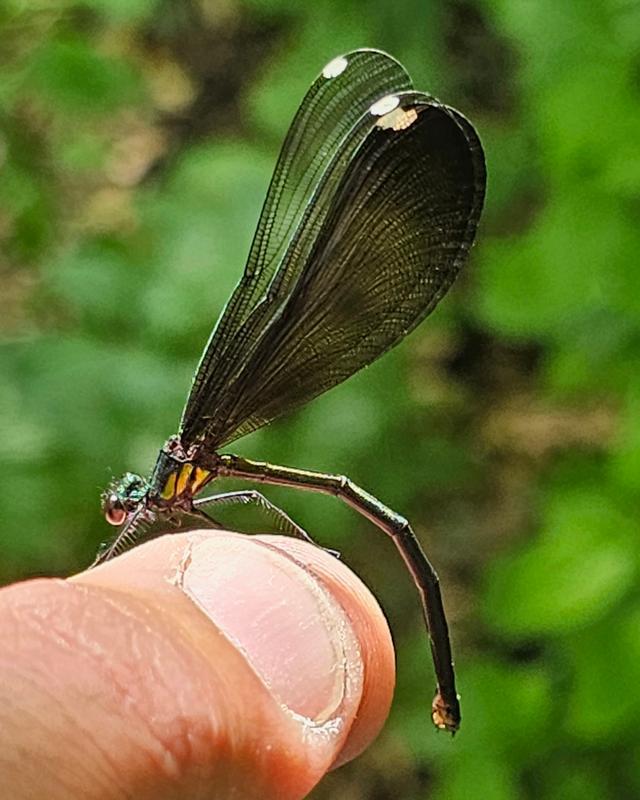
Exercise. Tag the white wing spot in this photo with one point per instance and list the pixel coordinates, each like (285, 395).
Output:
(335, 67)
(384, 105)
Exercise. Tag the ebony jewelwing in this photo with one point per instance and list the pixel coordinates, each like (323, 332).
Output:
(370, 214)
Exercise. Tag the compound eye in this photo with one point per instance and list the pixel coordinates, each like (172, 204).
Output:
(114, 511)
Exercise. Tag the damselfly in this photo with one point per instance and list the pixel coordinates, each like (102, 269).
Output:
(370, 214)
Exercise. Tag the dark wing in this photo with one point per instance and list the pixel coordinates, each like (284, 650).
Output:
(402, 217)
(323, 127)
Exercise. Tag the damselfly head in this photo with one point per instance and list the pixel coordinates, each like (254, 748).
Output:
(124, 496)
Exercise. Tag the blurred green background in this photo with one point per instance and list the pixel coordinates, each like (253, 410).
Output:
(137, 139)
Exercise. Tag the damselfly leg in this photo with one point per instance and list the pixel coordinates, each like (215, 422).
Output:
(283, 521)
(445, 707)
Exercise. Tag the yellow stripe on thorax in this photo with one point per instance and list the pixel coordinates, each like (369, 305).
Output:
(184, 476)
(169, 488)
(186, 479)
(200, 477)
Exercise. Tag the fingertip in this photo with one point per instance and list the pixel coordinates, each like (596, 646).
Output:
(266, 594)
(373, 634)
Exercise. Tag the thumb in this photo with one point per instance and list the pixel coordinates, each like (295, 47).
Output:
(204, 664)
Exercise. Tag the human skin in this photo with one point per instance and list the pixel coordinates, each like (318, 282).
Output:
(199, 665)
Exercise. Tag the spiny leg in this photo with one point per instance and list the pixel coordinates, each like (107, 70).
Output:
(445, 709)
(124, 538)
(283, 521)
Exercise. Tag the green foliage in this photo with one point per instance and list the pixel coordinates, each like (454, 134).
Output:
(136, 143)
(588, 541)
(71, 78)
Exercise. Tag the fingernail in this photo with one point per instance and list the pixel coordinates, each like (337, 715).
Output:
(292, 631)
